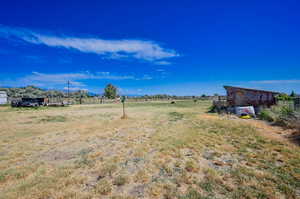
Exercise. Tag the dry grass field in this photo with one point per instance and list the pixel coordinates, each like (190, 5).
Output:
(161, 150)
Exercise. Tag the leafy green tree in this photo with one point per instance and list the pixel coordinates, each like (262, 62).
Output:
(284, 97)
(110, 91)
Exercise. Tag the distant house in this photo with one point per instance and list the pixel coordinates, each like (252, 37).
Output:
(249, 97)
(3, 97)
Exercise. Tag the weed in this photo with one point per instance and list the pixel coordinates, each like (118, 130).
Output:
(183, 178)
(84, 161)
(207, 186)
(175, 116)
(156, 190)
(141, 177)
(167, 169)
(108, 169)
(122, 197)
(103, 187)
(170, 191)
(57, 118)
(192, 194)
(120, 180)
(191, 166)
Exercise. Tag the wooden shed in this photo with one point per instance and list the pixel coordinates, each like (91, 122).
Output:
(237, 96)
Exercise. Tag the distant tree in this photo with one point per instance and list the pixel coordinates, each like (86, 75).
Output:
(110, 91)
(203, 95)
(216, 94)
(293, 94)
(284, 97)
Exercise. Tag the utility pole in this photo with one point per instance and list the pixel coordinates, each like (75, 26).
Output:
(68, 92)
(80, 100)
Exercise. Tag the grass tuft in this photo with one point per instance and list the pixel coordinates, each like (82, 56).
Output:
(120, 180)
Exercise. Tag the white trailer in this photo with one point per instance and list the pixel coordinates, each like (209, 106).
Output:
(3, 97)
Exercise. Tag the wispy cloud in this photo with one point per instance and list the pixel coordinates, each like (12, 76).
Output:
(113, 49)
(76, 89)
(291, 81)
(59, 80)
(146, 77)
(162, 63)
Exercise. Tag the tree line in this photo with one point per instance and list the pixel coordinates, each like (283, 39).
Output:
(110, 92)
(33, 92)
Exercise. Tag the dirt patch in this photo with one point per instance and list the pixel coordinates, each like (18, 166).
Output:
(57, 156)
(271, 132)
(276, 133)
(209, 116)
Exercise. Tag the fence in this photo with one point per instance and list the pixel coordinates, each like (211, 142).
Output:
(292, 104)
(88, 100)
(97, 100)
(297, 103)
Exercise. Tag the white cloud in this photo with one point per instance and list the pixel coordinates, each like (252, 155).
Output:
(292, 81)
(75, 89)
(59, 80)
(113, 49)
(162, 63)
(144, 77)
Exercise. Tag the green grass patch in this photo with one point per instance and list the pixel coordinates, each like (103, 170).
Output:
(175, 116)
(57, 118)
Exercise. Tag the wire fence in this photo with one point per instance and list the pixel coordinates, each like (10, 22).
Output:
(99, 100)
(292, 104)
(297, 104)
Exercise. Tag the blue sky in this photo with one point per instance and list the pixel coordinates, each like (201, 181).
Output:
(149, 47)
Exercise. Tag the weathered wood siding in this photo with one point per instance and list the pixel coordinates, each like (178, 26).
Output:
(249, 97)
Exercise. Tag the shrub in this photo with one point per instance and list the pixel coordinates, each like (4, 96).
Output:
(286, 118)
(266, 115)
(284, 97)
(212, 109)
(282, 116)
(286, 111)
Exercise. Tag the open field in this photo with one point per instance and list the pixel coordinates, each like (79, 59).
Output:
(162, 150)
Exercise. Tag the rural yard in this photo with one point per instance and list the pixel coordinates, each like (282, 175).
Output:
(161, 150)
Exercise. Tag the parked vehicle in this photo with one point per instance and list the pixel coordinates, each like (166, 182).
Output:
(29, 102)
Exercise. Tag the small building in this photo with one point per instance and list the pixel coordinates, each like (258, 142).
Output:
(250, 97)
(3, 97)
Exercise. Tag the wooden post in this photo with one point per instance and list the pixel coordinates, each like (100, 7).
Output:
(123, 109)
(123, 102)
(68, 92)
